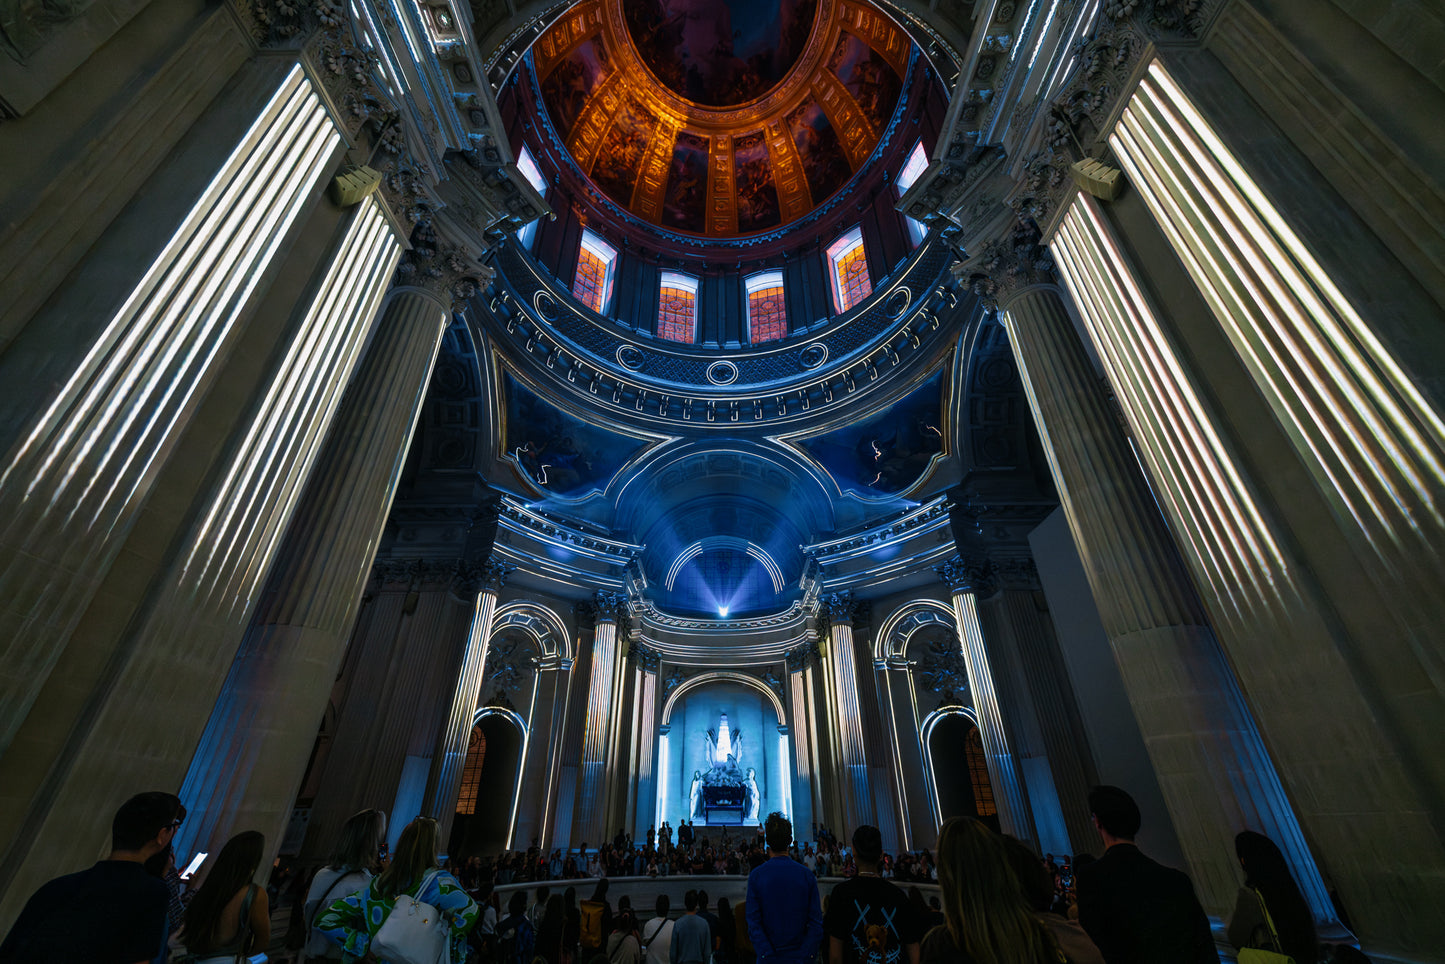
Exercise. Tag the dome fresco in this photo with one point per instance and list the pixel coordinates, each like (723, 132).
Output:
(721, 117)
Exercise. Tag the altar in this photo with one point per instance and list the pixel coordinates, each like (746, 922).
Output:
(724, 790)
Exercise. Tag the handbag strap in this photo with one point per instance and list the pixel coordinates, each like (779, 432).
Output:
(321, 907)
(243, 934)
(1269, 922)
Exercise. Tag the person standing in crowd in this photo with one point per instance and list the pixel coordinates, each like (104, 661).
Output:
(356, 859)
(869, 920)
(713, 923)
(1270, 913)
(985, 918)
(1136, 910)
(112, 913)
(785, 914)
(691, 937)
(624, 944)
(657, 934)
(1037, 885)
(516, 937)
(230, 916)
(540, 907)
(354, 920)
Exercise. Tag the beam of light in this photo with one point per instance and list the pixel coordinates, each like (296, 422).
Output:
(1201, 488)
(722, 611)
(1359, 424)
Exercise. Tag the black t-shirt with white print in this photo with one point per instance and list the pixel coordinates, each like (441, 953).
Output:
(873, 919)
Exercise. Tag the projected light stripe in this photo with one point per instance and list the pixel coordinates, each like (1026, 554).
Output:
(775, 572)
(239, 533)
(1196, 476)
(1366, 433)
(74, 487)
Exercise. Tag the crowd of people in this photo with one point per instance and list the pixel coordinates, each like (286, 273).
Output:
(1000, 902)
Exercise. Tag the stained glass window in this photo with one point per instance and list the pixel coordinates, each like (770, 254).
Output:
(472, 772)
(983, 802)
(593, 283)
(533, 174)
(851, 283)
(677, 308)
(767, 311)
(916, 164)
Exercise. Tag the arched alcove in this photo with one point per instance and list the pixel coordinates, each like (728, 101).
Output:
(958, 768)
(487, 802)
(753, 713)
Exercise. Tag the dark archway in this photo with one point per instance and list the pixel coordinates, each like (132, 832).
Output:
(960, 770)
(489, 786)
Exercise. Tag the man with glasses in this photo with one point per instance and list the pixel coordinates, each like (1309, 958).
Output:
(113, 913)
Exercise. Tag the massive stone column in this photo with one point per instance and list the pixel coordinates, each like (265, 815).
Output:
(919, 822)
(597, 740)
(806, 770)
(641, 770)
(1213, 769)
(245, 773)
(847, 711)
(967, 579)
(444, 782)
(399, 677)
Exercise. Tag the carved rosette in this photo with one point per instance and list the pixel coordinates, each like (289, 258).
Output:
(970, 574)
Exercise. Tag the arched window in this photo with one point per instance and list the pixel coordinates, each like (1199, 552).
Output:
(534, 177)
(677, 308)
(851, 283)
(916, 164)
(767, 314)
(472, 772)
(596, 260)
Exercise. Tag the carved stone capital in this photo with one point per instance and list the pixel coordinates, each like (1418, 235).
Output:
(441, 268)
(644, 657)
(970, 574)
(1001, 269)
(802, 656)
(1016, 574)
(474, 577)
(839, 607)
(610, 606)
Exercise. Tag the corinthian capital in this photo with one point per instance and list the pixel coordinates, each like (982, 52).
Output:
(840, 607)
(1003, 268)
(971, 574)
(475, 577)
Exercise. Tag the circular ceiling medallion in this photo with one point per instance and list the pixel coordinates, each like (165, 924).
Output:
(897, 303)
(630, 357)
(813, 355)
(722, 373)
(546, 305)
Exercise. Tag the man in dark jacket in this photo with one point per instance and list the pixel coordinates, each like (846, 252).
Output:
(1136, 910)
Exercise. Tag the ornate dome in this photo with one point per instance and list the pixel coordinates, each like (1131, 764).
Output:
(721, 118)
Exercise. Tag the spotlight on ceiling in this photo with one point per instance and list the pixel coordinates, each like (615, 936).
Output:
(722, 611)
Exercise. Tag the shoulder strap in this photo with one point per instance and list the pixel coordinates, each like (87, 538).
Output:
(1269, 922)
(321, 907)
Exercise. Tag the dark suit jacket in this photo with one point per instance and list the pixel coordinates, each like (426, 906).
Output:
(1140, 912)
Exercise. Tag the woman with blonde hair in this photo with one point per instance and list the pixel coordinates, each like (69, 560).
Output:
(985, 918)
(352, 922)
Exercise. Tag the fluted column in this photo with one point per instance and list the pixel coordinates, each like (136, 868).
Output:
(642, 776)
(847, 710)
(444, 782)
(804, 741)
(246, 770)
(1213, 769)
(597, 738)
(966, 580)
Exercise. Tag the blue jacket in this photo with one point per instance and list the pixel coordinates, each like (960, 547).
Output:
(785, 914)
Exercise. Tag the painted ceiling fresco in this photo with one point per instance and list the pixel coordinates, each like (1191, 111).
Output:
(890, 451)
(558, 452)
(638, 92)
(720, 53)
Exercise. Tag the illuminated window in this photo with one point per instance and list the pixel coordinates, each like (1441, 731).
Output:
(916, 164)
(767, 315)
(595, 261)
(677, 308)
(472, 772)
(528, 166)
(851, 283)
(983, 802)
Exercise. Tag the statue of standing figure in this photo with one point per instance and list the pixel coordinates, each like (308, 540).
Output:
(695, 795)
(755, 800)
